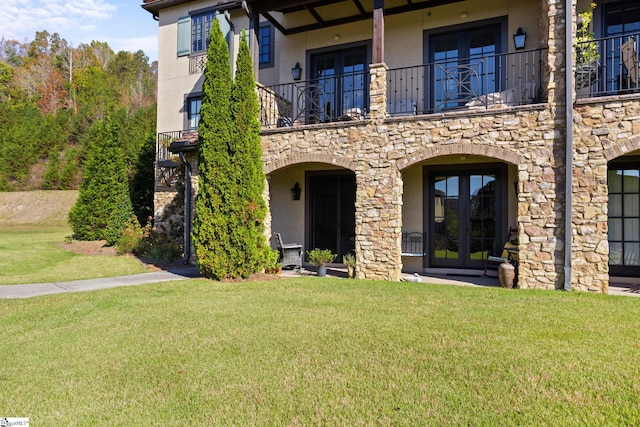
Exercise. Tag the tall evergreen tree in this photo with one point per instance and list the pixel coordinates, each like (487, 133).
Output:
(248, 159)
(217, 186)
(103, 205)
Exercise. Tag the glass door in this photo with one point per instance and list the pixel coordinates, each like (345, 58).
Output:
(465, 218)
(624, 220)
(332, 212)
(620, 19)
(339, 84)
(464, 66)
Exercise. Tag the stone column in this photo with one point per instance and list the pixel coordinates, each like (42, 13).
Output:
(378, 219)
(541, 191)
(378, 92)
(378, 193)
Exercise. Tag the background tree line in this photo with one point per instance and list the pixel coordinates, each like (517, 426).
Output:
(54, 101)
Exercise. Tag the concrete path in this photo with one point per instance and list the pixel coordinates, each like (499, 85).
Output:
(26, 291)
(619, 287)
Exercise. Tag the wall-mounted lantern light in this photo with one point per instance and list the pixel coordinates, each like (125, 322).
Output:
(297, 72)
(519, 39)
(295, 192)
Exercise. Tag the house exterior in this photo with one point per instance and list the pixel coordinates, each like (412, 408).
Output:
(449, 120)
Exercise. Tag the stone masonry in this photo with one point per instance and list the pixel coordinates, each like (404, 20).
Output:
(530, 137)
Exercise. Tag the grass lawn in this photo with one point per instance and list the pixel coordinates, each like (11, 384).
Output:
(30, 255)
(312, 351)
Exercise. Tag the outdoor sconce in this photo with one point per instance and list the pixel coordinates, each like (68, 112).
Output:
(297, 72)
(519, 39)
(295, 192)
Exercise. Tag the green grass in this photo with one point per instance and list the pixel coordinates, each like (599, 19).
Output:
(30, 255)
(311, 351)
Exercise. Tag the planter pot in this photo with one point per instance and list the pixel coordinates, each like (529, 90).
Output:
(506, 275)
(322, 271)
(351, 272)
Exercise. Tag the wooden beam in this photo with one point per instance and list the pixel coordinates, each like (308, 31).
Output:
(315, 15)
(363, 12)
(355, 18)
(275, 23)
(378, 32)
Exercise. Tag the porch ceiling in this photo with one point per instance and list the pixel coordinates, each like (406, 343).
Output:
(328, 13)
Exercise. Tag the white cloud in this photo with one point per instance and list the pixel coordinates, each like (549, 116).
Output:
(123, 24)
(20, 19)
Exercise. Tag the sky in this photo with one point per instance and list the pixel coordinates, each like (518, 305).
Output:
(123, 24)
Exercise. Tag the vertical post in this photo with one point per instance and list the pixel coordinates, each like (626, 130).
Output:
(378, 32)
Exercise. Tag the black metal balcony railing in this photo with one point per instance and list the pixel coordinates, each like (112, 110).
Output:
(321, 100)
(608, 66)
(466, 83)
(163, 142)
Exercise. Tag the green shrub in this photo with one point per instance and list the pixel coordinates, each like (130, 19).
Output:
(271, 263)
(130, 238)
(159, 246)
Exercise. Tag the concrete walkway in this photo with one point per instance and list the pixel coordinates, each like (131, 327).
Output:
(617, 287)
(26, 291)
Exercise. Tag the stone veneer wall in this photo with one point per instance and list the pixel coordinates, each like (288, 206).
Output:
(530, 137)
(379, 149)
(604, 129)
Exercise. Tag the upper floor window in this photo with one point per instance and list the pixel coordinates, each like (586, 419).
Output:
(200, 29)
(193, 31)
(265, 41)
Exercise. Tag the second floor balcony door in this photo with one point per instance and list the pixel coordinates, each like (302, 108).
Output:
(464, 66)
(339, 84)
(622, 32)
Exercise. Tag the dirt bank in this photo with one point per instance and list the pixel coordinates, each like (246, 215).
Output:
(40, 206)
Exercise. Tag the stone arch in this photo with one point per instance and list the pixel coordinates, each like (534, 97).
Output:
(460, 149)
(622, 148)
(295, 159)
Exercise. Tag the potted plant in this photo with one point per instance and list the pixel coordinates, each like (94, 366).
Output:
(587, 55)
(350, 261)
(320, 258)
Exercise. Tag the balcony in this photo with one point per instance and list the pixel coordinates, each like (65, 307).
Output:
(466, 84)
(163, 156)
(322, 100)
(487, 82)
(608, 66)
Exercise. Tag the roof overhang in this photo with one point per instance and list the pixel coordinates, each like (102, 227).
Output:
(329, 13)
(155, 6)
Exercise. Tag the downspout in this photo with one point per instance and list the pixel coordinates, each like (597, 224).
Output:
(227, 17)
(187, 208)
(568, 215)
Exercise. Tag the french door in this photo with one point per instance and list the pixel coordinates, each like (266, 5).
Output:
(620, 19)
(465, 218)
(332, 214)
(624, 219)
(464, 66)
(339, 83)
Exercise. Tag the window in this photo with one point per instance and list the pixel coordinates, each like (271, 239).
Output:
(193, 112)
(624, 218)
(339, 83)
(465, 65)
(265, 43)
(200, 29)
(621, 23)
(193, 31)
